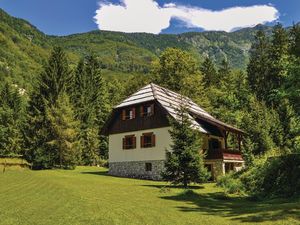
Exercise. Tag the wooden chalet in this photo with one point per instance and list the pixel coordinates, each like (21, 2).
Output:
(138, 131)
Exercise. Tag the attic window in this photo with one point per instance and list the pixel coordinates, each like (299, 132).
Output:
(128, 114)
(147, 110)
(148, 140)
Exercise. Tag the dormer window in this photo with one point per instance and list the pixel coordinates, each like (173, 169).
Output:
(147, 110)
(128, 114)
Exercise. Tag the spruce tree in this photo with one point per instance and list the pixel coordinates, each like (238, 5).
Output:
(258, 67)
(53, 81)
(12, 117)
(224, 69)
(295, 40)
(279, 62)
(184, 164)
(91, 105)
(209, 72)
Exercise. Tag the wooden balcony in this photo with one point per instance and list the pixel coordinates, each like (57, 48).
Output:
(227, 154)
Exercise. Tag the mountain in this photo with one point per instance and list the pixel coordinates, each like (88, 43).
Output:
(23, 48)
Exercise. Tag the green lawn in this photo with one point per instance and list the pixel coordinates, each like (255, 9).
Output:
(88, 195)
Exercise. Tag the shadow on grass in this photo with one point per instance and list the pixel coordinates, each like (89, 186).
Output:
(99, 173)
(172, 186)
(240, 208)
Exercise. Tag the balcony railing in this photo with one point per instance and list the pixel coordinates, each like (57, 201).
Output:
(223, 154)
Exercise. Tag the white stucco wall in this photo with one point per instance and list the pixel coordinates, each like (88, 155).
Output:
(117, 154)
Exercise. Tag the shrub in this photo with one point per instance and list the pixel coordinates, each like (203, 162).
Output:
(103, 163)
(230, 184)
(273, 176)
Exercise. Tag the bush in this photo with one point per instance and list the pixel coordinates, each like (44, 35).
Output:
(103, 163)
(230, 184)
(276, 176)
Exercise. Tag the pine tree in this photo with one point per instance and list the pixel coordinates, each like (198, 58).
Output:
(64, 130)
(279, 61)
(224, 69)
(12, 117)
(258, 67)
(54, 80)
(209, 71)
(184, 164)
(90, 99)
(263, 128)
(295, 40)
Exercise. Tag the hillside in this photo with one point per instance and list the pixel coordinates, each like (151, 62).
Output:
(24, 48)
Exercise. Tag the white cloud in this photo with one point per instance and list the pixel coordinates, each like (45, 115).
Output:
(148, 16)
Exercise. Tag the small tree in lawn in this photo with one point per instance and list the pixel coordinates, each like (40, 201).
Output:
(184, 164)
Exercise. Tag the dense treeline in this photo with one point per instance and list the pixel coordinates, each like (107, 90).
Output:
(58, 123)
(272, 143)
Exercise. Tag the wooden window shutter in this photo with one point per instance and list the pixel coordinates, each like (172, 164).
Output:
(123, 115)
(124, 143)
(141, 111)
(153, 140)
(152, 109)
(134, 141)
(133, 112)
(142, 141)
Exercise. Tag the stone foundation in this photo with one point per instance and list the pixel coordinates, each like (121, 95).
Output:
(218, 166)
(137, 169)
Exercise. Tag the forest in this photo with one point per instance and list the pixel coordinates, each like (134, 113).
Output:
(54, 119)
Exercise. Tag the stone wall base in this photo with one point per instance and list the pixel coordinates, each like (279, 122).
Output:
(137, 169)
(218, 167)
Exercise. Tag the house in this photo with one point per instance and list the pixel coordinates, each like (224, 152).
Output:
(138, 131)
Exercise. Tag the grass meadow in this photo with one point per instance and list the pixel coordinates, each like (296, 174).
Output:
(88, 195)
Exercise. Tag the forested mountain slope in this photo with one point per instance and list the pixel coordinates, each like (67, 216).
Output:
(23, 48)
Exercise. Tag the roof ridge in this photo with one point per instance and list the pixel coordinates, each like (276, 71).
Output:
(175, 93)
(152, 85)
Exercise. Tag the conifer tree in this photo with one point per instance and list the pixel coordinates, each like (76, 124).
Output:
(184, 164)
(12, 117)
(53, 81)
(209, 72)
(90, 99)
(224, 69)
(279, 61)
(64, 129)
(258, 67)
(295, 40)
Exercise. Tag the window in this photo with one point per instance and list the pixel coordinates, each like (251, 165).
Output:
(128, 114)
(147, 110)
(129, 142)
(148, 167)
(147, 140)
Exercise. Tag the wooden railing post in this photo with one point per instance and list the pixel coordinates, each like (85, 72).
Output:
(239, 141)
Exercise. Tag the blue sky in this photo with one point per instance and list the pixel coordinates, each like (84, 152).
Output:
(62, 17)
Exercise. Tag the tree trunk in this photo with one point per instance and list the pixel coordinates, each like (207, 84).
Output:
(185, 183)
(60, 157)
